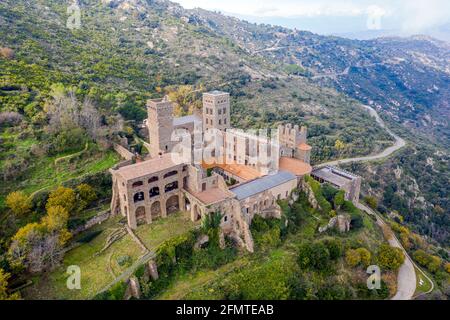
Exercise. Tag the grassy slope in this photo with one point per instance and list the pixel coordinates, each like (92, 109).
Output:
(98, 271)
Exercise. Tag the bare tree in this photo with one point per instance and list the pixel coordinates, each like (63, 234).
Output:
(10, 118)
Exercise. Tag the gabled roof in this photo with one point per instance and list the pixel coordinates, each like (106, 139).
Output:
(147, 167)
(254, 187)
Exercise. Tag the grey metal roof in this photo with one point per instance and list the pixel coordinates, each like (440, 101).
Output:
(184, 120)
(334, 175)
(262, 184)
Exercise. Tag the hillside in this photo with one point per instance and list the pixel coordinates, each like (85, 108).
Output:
(127, 51)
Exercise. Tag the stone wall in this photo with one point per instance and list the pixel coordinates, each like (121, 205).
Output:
(123, 152)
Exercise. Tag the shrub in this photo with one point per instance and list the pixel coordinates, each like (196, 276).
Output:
(313, 256)
(333, 292)
(371, 201)
(432, 263)
(357, 221)
(390, 258)
(339, 199)
(10, 118)
(352, 258)
(329, 192)
(88, 237)
(269, 280)
(266, 232)
(124, 261)
(447, 267)
(317, 190)
(365, 256)
(117, 292)
(335, 248)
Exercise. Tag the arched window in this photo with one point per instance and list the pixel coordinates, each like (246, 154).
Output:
(171, 186)
(137, 184)
(138, 197)
(170, 174)
(153, 179)
(154, 192)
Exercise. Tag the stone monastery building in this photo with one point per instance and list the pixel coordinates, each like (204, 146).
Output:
(243, 173)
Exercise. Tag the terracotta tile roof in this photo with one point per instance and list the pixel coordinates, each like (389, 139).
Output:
(295, 166)
(211, 196)
(146, 167)
(304, 147)
(240, 170)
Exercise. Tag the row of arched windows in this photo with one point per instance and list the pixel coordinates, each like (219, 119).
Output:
(154, 179)
(154, 192)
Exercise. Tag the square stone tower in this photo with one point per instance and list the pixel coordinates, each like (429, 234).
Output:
(292, 140)
(216, 110)
(160, 125)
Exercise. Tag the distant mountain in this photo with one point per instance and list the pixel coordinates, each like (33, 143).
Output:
(408, 78)
(441, 33)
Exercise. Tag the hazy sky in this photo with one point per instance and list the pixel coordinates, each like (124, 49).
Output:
(331, 16)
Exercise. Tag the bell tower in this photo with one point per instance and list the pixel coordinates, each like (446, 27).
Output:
(216, 110)
(160, 125)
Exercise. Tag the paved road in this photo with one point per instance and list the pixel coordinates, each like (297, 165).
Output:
(406, 278)
(398, 144)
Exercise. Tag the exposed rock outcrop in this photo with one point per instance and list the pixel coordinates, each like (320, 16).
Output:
(310, 194)
(340, 222)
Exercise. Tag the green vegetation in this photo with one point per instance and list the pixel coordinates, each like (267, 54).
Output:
(100, 269)
(423, 284)
(289, 263)
(390, 258)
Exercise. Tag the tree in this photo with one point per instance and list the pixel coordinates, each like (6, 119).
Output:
(339, 146)
(371, 201)
(434, 264)
(86, 195)
(64, 197)
(19, 203)
(4, 277)
(38, 246)
(184, 99)
(56, 218)
(421, 257)
(390, 258)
